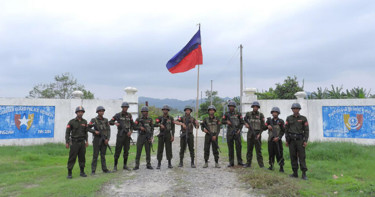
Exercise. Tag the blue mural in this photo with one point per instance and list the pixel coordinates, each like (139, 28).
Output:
(27, 122)
(349, 121)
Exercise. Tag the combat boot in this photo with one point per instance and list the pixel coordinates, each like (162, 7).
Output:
(92, 173)
(159, 164)
(281, 169)
(270, 168)
(82, 173)
(125, 166)
(181, 163)
(170, 164)
(69, 174)
(217, 165)
(304, 177)
(247, 165)
(205, 165)
(106, 171)
(230, 165)
(149, 166)
(295, 174)
(115, 166)
(192, 164)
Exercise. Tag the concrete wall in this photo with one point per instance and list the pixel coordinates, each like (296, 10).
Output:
(312, 109)
(64, 111)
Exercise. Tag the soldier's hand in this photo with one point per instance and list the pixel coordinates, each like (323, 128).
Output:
(106, 142)
(117, 124)
(258, 136)
(214, 138)
(196, 124)
(129, 133)
(247, 125)
(172, 139)
(151, 139)
(304, 144)
(67, 145)
(276, 139)
(162, 126)
(269, 127)
(228, 122)
(184, 125)
(286, 144)
(143, 129)
(97, 133)
(87, 144)
(238, 132)
(205, 130)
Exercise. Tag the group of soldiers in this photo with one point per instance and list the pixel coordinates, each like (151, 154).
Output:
(295, 128)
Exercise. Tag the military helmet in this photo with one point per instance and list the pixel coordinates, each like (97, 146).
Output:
(296, 106)
(125, 104)
(165, 107)
(80, 108)
(144, 108)
(188, 107)
(211, 107)
(255, 103)
(275, 109)
(99, 108)
(232, 103)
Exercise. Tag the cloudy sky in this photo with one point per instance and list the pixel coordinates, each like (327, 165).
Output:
(109, 45)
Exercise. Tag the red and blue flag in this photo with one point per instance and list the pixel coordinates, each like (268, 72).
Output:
(188, 57)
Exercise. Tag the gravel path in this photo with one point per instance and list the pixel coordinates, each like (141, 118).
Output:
(184, 181)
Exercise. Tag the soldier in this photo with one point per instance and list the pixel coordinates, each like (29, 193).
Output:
(235, 123)
(187, 123)
(297, 134)
(276, 129)
(100, 139)
(254, 121)
(166, 136)
(145, 128)
(124, 122)
(76, 140)
(211, 126)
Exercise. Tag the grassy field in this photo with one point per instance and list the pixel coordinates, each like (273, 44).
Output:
(335, 169)
(41, 171)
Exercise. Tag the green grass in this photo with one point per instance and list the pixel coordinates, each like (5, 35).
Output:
(352, 164)
(41, 171)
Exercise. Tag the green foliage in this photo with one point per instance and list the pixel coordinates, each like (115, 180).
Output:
(63, 87)
(216, 101)
(345, 168)
(285, 90)
(339, 93)
(154, 112)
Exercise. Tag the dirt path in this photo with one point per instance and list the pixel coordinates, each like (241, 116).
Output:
(184, 181)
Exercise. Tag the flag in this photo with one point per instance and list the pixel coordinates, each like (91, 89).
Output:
(188, 57)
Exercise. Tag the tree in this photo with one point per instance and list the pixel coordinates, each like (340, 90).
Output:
(282, 91)
(62, 88)
(288, 88)
(216, 101)
(338, 93)
(320, 93)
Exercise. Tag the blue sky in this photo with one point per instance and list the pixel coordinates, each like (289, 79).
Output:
(109, 45)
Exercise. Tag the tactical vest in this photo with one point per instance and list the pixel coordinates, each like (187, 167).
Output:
(102, 125)
(168, 123)
(125, 120)
(255, 123)
(234, 120)
(146, 123)
(189, 127)
(275, 129)
(212, 125)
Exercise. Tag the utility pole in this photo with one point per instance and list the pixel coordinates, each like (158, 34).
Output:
(211, 92)
(241, 82)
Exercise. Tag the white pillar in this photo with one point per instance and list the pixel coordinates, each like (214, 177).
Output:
(132, 98)
(247, 100)
(302, 101)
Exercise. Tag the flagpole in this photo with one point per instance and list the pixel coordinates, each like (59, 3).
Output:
(196, 117)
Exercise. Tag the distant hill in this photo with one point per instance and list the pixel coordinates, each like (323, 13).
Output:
(174, 103)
